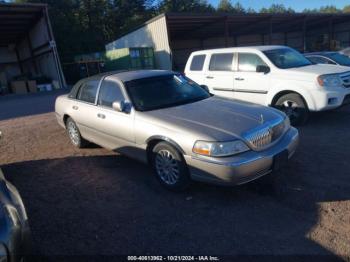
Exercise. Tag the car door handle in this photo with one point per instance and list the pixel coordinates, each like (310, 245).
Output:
(102, 116)
(239, 79)
(210, 77)
(75, 107)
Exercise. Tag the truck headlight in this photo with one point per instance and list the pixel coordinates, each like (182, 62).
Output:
(333, 80)
(219, 149)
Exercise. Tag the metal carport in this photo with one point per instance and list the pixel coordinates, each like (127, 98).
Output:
(27, 44)
(175, 35)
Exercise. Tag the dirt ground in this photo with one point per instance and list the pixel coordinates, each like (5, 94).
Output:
(95, 202)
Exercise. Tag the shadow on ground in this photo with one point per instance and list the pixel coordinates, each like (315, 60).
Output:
(113, 205)
(13, 106)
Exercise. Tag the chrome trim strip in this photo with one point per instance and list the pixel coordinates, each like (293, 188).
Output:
(240, 90)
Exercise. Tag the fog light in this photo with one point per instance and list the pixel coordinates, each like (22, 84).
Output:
(332, 101)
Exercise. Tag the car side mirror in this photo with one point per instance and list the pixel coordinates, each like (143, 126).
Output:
(263, 69)
(119, 106)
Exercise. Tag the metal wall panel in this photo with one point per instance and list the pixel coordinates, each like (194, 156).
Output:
(154, 34)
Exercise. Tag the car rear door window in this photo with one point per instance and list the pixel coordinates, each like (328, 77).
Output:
(221, 62)
(248, 62)
(110, 92)
(197, 63)
(88, 91)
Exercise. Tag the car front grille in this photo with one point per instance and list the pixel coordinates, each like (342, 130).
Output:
(265, 135)
(346, 79)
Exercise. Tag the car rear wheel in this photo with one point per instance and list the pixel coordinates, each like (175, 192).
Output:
(294, 106)
(170, 167)
(74, 134)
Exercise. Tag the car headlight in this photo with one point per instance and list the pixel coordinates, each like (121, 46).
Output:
(219, 149)
(329, 80)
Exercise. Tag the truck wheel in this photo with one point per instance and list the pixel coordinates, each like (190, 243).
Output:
(74, 134)
(169, 167)
(294, 106)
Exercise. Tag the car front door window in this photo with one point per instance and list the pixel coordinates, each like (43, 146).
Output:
(249, 62)
(109, 92)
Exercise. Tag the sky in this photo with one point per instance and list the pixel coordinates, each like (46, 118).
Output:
(297, 5)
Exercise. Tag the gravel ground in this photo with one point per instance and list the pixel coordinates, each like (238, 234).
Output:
(95, 202)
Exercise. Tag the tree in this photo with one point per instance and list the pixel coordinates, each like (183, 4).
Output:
(346, 9)
(84, 26)
(250, 10)
(225, 6)
(277, 8)
(184, 6)
(329, 9)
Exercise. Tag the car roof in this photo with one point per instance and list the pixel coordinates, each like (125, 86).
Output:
(243, 49)
(128, 75)
(138, 74)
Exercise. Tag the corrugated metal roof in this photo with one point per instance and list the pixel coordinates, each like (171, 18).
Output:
(17, 19)
(211, 24)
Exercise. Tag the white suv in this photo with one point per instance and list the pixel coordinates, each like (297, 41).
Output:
(276, 76)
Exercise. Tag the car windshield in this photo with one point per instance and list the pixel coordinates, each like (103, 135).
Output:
(339, 59)
(285, 58)
(164, 91)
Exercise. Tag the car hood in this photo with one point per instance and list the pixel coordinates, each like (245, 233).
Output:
(214, 118)
(316, 70)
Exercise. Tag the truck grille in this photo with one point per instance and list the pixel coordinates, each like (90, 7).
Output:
(346, 79)
(265, 135)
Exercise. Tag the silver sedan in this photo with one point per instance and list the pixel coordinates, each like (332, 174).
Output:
(185, 133)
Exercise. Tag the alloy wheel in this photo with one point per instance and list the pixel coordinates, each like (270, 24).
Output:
(167, 167)
(73, 133)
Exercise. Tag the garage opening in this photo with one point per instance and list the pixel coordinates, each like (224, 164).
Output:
(29, 60)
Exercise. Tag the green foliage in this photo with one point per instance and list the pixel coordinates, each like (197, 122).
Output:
(277, 8)
(227, 7)
(328, 9)
(184, 6)
(346, 9)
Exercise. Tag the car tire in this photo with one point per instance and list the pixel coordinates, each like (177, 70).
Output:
(170, 167)
(74, 134)
(294, 106)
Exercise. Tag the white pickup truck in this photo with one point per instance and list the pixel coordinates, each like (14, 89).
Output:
(276, 76)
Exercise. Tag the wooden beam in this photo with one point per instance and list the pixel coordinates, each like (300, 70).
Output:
(270, 31)
(227, 33)
(19, 60)
(304, 35)
(32, 53)
(330, 33)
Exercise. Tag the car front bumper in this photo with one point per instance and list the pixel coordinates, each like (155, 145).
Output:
(242, 168)
(331, 99)
(14, 230)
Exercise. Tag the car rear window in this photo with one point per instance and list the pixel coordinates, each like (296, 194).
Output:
(221, 62)
(88, 91)
(197, 63)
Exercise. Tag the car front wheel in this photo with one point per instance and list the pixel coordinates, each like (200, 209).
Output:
(294, 106)
(170, 167)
